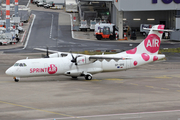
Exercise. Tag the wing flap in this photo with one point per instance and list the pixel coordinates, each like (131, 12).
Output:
(51, 51)
(44, 50)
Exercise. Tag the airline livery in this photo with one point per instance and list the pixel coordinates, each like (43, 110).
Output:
(77, 65)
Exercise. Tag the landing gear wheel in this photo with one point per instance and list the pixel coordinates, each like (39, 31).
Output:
(88, 77)
(16, 80)
(98, 37)
(111, 37)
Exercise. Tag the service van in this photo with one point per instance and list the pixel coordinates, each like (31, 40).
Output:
(143, 31)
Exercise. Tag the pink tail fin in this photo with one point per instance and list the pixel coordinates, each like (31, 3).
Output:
(151, 44)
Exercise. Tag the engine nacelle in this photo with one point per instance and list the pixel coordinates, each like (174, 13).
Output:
(59, 54)
(83, 60)
(54, 55)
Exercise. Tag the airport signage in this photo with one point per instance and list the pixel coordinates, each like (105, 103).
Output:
(166, 1)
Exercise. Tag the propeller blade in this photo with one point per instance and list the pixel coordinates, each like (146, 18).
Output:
(74, 59)
(47, 53)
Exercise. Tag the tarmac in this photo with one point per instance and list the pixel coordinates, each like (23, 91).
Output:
(148, 92)
(144, 93)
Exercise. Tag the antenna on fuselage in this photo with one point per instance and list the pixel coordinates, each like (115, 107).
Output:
(47, 53)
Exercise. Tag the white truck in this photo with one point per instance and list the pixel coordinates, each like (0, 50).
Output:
(143, 31)
(92, 24)
(41, 3)
(83, 26)
(6, 38)
(100, 26)
(49, 4)
(71, 6)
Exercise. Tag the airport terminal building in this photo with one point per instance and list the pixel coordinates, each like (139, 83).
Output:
(136, 12)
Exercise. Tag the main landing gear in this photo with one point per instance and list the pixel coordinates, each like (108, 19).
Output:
(16, 79)
(87, 77)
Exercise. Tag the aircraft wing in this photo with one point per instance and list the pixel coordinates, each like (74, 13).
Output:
(44, 50)
(91, 57)
(52, 51)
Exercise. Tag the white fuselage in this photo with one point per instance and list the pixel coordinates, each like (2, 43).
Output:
(76, 65)
(63, 65)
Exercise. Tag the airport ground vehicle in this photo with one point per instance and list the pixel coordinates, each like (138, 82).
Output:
(71, 6)
(83, 25)
(49, 4)
(7, 39)
(105, 33)
(41, 3)
(37, 1)
(99, 26)
(92, 24)
(81, 65)
(143, 31)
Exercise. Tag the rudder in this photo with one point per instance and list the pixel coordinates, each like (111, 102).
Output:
(152, 42)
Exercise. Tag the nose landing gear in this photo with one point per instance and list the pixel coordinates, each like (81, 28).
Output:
(16, 79)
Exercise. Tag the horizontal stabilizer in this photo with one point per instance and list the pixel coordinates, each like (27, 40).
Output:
(157, 29)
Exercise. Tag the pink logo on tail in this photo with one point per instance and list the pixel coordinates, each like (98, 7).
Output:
(152, 43)
(161, 27)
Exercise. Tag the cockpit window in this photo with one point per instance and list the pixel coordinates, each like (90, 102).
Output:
(24, 64)
(20, 64)
(16, 64)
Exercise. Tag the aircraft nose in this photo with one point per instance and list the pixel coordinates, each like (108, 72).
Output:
(9, 71)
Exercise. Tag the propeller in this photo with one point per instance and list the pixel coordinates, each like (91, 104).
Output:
(74, 59)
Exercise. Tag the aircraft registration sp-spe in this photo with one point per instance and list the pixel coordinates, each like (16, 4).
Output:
(77, 65)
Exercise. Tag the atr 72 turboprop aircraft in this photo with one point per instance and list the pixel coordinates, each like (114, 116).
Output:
(77, 65)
